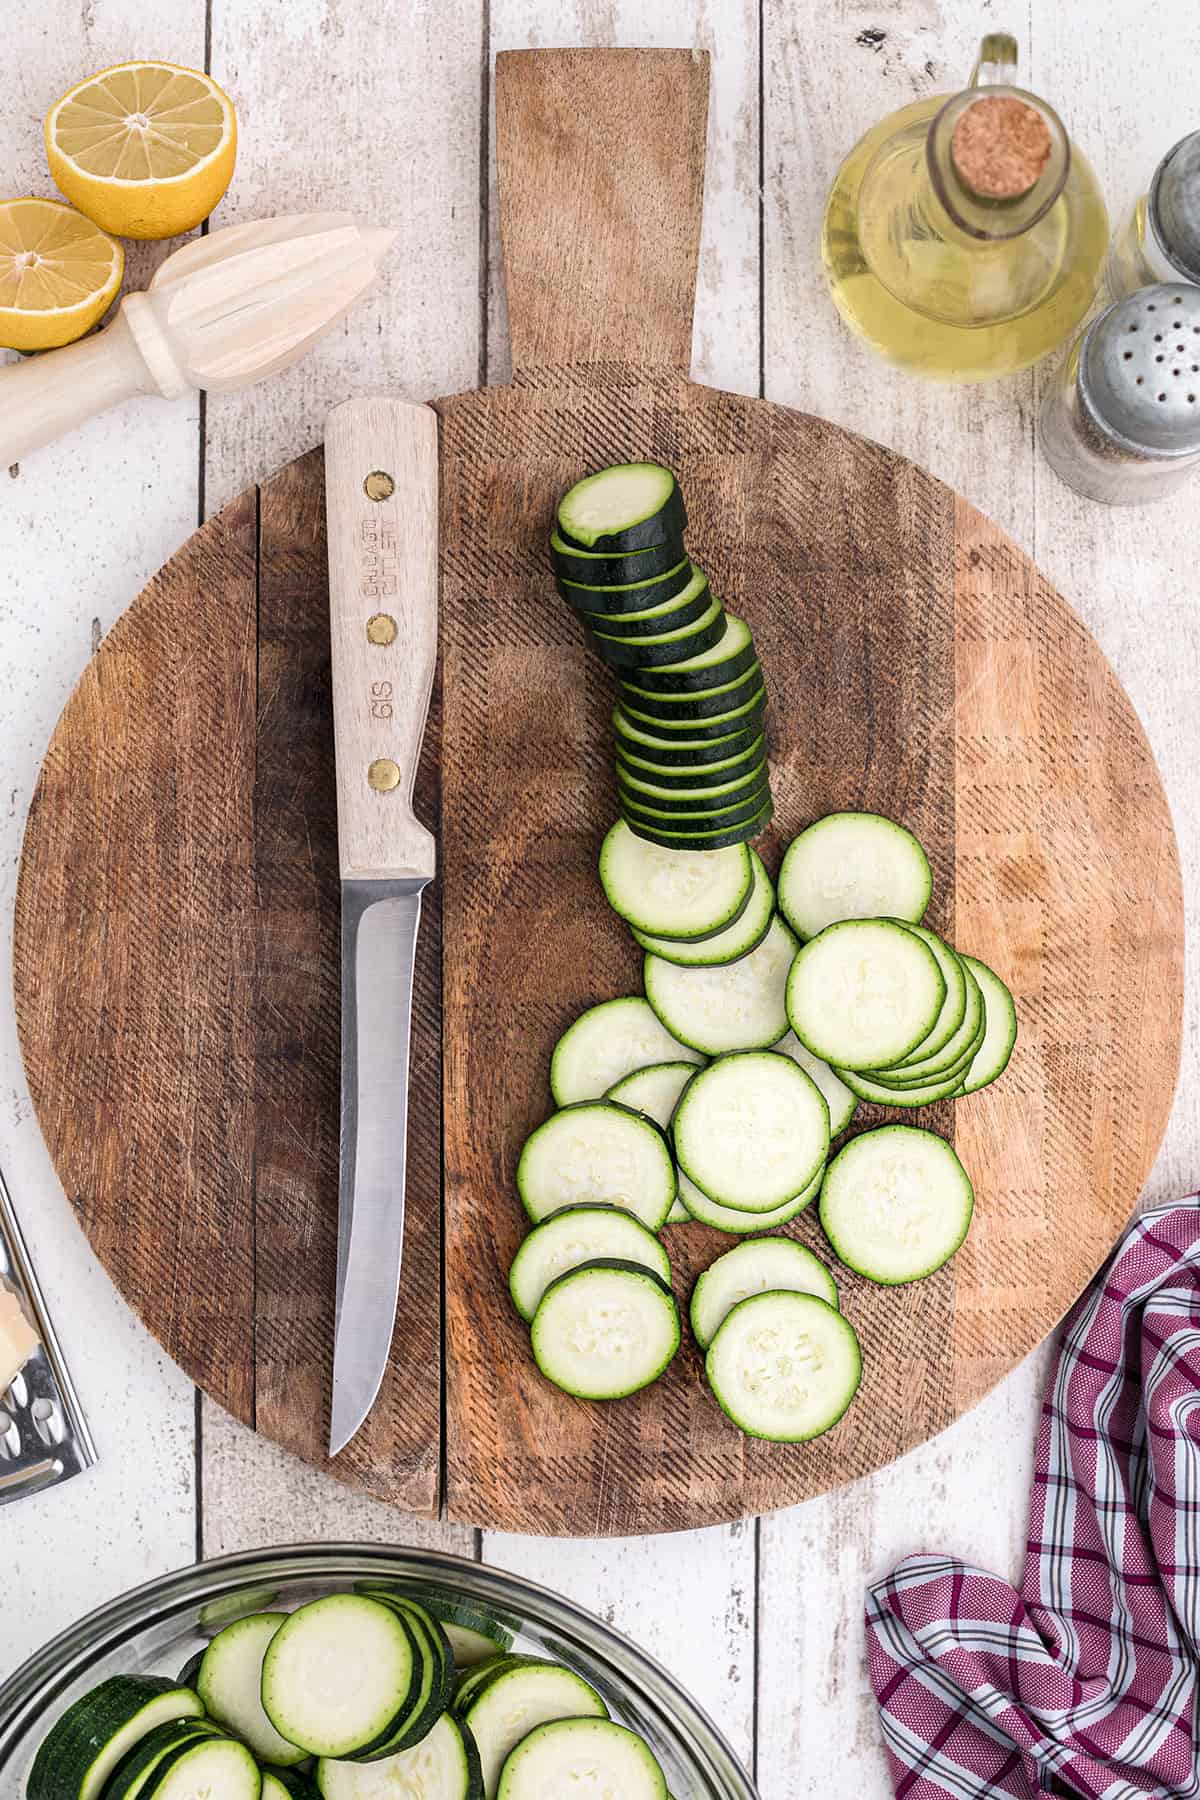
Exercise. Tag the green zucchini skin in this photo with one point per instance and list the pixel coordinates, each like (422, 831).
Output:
(702, 774)
(676, 800)
(746, 719)
(683, 608)
(704, 703)
(669, 521)
(680, 749)
(80, 1737)
(698, 681)
(651, 654)
(706, 840)
(635, 596)
(606, 569)
(704, 818)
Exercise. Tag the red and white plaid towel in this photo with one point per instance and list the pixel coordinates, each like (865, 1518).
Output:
(1085, 1681)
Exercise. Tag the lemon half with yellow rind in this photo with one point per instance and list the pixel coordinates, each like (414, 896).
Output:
(146, 149)
(59, 274)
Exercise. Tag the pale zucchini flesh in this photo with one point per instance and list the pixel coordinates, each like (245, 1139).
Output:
(230, 1684)
(1000, 1028)
(82, 1748)
(738, 1223)
(877, 1094)
(784, 1366)
(768, 1265)
(516, 1703)
(738, 1005)
(654, 1090)
(597, 1154)
(956, 1052)
(443, 1766)
(605, 1330)
(728, 946)
(842, 1103)
(673, 893)
(896, 1204)
(953, 1013)
(751, 1130)
(864, 993)
(607, 1042)
(593, 1759)
(853, 865)
(339, 1674)
(577, 1235)
(625, 507)
(206, 1768)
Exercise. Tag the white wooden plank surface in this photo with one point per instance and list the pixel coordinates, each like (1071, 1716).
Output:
(379, 107)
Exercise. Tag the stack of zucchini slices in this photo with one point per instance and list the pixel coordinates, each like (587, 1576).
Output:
(691, 761)
(350, 1697)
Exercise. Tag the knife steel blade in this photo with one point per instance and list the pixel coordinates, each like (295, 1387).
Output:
(381, 504)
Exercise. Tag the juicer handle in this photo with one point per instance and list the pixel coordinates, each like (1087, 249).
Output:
(46, 396)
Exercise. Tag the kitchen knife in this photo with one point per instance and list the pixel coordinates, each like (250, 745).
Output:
(381, 484)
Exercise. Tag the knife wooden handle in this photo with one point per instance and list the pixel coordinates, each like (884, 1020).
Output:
(381, 501)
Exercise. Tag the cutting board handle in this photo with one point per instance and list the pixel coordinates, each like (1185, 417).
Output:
(600, 166)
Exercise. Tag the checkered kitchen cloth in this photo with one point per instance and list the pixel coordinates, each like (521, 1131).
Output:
(1085, 1681)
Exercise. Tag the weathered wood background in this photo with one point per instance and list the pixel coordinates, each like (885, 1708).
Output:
(386, 110)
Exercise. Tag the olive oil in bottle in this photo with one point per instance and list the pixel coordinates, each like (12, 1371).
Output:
(964, 237)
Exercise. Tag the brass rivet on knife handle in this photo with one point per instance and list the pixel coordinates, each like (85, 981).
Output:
(381, 488)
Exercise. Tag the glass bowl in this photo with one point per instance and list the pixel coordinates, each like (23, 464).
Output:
(154, 1630)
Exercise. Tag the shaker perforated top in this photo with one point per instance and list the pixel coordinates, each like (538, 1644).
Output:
(1140, 369)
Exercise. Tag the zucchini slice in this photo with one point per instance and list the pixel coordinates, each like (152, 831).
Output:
(956, 1052)
(784, 1366)
(635, 598)
(213, 1765)
(1000, 1028)
(597, 1154)
(569, 1756)
(942, 1087)
(681, 750)
(230, 1684)
(520, 1699)
(842, 1103)
(290, 1784)
(666, 648)
(671, 799)
(744, 715)
(896, 1204)
(770, 1265)
(443, 1766)
(654, 1091)
(953, 1011)
(605, 1330)
(705, 815)
(718, 664)
(669, 894)
(136, 1772)
(695, 841)
(737, 940)
(606, 1042)
(730, 1006)
(578, 1235)
(435, 1689)
(853, 865)
(751, 1130)
(601, 568)
(864, 993)
(706, 703)
(687, 607)
(710, 770)
(84, 1746)
(734, 1220)
(340, 1674)
(626, 507)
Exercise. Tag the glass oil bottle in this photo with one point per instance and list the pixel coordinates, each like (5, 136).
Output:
(964, 237)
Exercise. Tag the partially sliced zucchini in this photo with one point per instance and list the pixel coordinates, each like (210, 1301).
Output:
(734, 1220)
(443, 1766)
(784, 1366)
(730, 1006)
(84, 1746)
(853, 865)
(864, 993)
(340, 1674)
(684, 607)
(726, 659)
(737, 940)
(751, 1130)
(605, 1330)
(578, 1235)
(230, 1684)
(684, 800)
(1000, 1032)
(622, 508)
(769, 1265)
(606, 1042)
(593, 1154)
(651, 653)
(705, 815)
(602, 568)
(740, 707)
(896, 1204)
(695, 841)
(582, 1756)
(669, 894)
(706, 773)
(678, 749)
(842, 1103)
(635, 597)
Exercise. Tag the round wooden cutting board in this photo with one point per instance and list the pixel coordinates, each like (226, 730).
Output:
(177, 912)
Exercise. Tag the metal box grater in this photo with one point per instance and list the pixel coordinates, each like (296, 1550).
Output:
(44, 1437)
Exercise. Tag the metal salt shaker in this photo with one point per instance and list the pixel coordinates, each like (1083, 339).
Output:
(1160, 237)
(1121, 420)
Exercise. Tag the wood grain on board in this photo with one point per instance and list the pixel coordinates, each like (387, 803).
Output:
(917, 664)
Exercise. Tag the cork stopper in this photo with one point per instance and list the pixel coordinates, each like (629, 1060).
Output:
(1000, 147)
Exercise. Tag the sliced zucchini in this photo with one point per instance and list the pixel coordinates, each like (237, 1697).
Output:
(729, 657)
(714, 790)
(636, 597)
(602, 568)
(474, 1635)
(516, 1703)
(737, 940)
(606, 1042)
(577, 1235)
(435, 1688)
(866, 1088)
(654, 1090)
(678, 749)
(212, 1767)
(681, 645)
(706, 815)
(443, 1766)
(896, 1204)
(784, 1366)
(956, 1053)
(136, 1772)
(751, 1130)
(737, 1222)
(954, 1003)
(684, 607)
(1000, 1031)
(732, 1006)
(840, 1100)
(770, 1265)
(595, 1153)
(84, 1746)
(669, 894)
(625, 507)
(702, 774)
(340, 1674)
(853, 865)
(864, 993)
(230, 1684)
(582, 1756)
(693, 841)
(289, 1784)
(690, 712)
(605, 1330)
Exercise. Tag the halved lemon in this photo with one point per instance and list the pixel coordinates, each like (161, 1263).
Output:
(146, 148)
(59, 273)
